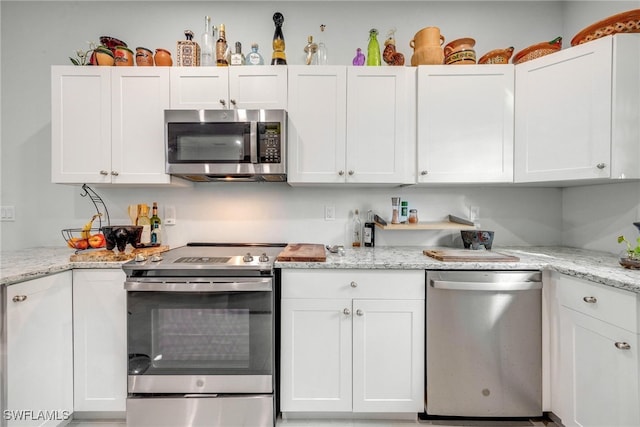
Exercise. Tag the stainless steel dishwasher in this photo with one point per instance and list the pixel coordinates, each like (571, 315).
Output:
(484, 343)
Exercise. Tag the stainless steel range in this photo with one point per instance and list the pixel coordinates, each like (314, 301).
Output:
(201, 336)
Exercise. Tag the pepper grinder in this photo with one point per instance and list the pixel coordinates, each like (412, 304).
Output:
(395, 210)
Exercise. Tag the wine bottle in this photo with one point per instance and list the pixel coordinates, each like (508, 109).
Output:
(156, 237)
(278, 57)
(221, 48)
(207, 50)
(145, 222)
(356, 230)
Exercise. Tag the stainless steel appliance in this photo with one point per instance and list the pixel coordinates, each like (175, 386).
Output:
(201, 336)
(484, 343)
(226, 145)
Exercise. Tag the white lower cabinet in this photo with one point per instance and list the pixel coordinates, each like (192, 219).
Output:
(352, 341)
(596, 355)
(39, 352)
(99, 340)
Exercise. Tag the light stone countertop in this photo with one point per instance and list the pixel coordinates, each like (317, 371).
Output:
(598, 267)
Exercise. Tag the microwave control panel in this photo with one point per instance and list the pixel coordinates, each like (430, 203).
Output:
(269, 142)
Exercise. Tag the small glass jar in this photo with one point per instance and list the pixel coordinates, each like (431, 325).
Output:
(413, 216)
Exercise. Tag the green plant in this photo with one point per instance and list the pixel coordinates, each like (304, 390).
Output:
(83, 56)
(632, 252)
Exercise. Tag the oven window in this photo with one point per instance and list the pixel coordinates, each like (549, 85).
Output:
(177, 333)
(209, 142)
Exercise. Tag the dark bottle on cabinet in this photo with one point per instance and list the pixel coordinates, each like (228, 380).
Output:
(156, 237)
(369, 231)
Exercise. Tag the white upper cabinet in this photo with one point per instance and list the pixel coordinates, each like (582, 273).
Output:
(215, 88)
(107, 124)
(351, 125)
(578, 113)
(465, 123)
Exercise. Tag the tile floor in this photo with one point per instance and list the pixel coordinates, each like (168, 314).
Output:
(357, 423)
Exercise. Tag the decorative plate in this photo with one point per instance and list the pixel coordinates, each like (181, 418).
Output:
(497, 56)
(537, 50)
(625, 22)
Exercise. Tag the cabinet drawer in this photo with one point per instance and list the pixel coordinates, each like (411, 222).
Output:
(387, 284)
(615, 306)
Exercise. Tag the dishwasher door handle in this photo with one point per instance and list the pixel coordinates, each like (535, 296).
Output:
(485, 286)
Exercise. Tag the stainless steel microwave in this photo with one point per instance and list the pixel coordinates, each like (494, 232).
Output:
(226, 145)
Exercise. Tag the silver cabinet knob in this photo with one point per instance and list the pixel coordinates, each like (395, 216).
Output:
(351, 172)
(601, 165)
(115, 173)
(341, 173)
(247, 257)
(232, 102)
(590, 300)
(423, 172)
(346, 311)
(19, 298)
(104, 172)
(622, 345)
(359, 312)
(354, 284)
(223, 102)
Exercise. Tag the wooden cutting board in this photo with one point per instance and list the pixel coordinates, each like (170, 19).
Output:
(113, 256)
(303, 252)
(467, 255)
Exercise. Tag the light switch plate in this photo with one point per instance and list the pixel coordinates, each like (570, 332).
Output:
(7, 213)
(169, 215)
(329, 213)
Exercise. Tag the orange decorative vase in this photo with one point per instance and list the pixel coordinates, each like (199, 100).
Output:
(123, 56)
(427, 47)
(144, 57)
(162, 58)
(104, 56)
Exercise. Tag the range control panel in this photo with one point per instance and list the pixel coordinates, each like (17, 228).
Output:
(269, 142)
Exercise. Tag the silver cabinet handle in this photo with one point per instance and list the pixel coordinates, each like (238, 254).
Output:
(233, 102)
(19, 298)
(622, 345)
(346, 312)
(341, 173)
(423, 172)
(223, 102)
(601, 165)
(359, 312)
(354, 285)
(351, 172)
(590, 300)
(115, 173)
(104, 172)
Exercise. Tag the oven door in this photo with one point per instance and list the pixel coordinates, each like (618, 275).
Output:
(213, 335)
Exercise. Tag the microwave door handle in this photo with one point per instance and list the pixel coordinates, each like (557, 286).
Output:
(253, 141)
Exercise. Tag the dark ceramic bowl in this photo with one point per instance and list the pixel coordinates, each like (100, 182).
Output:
(472, 239)
(121, 235)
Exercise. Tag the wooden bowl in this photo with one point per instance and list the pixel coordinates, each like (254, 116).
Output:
(625, 22)
(538, 50)
(497, 56)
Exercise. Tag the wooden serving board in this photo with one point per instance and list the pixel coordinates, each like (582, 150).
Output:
(303, 252)
(105, 255)
(468, 255)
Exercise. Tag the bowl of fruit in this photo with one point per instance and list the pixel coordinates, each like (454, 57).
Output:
(87, 237)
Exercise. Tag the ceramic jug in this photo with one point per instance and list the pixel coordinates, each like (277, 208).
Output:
(427, 47)
(144, 57)
(162, 58)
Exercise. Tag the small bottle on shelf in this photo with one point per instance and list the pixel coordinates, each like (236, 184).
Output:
(254, 57)
(221, 48)
(404, 211)
(237, 58)
(368, 233)
(145, 222)
(356, 230)
(156, 231)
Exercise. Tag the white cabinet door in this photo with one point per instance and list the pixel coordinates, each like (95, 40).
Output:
(80, 124)
(316, 355)
(380, 124)
(258, 87)
(601, 379)
(388, 356)
(465, 123)
(39, 351)
(99, 340)
(316, 124)
(139, 98)
(196, 88)
(577, 113)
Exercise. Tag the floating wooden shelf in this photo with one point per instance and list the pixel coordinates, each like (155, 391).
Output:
(436, 225)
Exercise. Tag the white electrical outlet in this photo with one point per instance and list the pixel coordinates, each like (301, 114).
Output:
(7, 213)
(329, 213)
(170, 215)
(474, 213)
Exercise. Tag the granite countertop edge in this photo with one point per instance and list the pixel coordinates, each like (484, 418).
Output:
(598, 267)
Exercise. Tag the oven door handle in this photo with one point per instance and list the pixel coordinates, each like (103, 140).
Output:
(200, 286)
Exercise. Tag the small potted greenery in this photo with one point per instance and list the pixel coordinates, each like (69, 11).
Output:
(630, 258)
